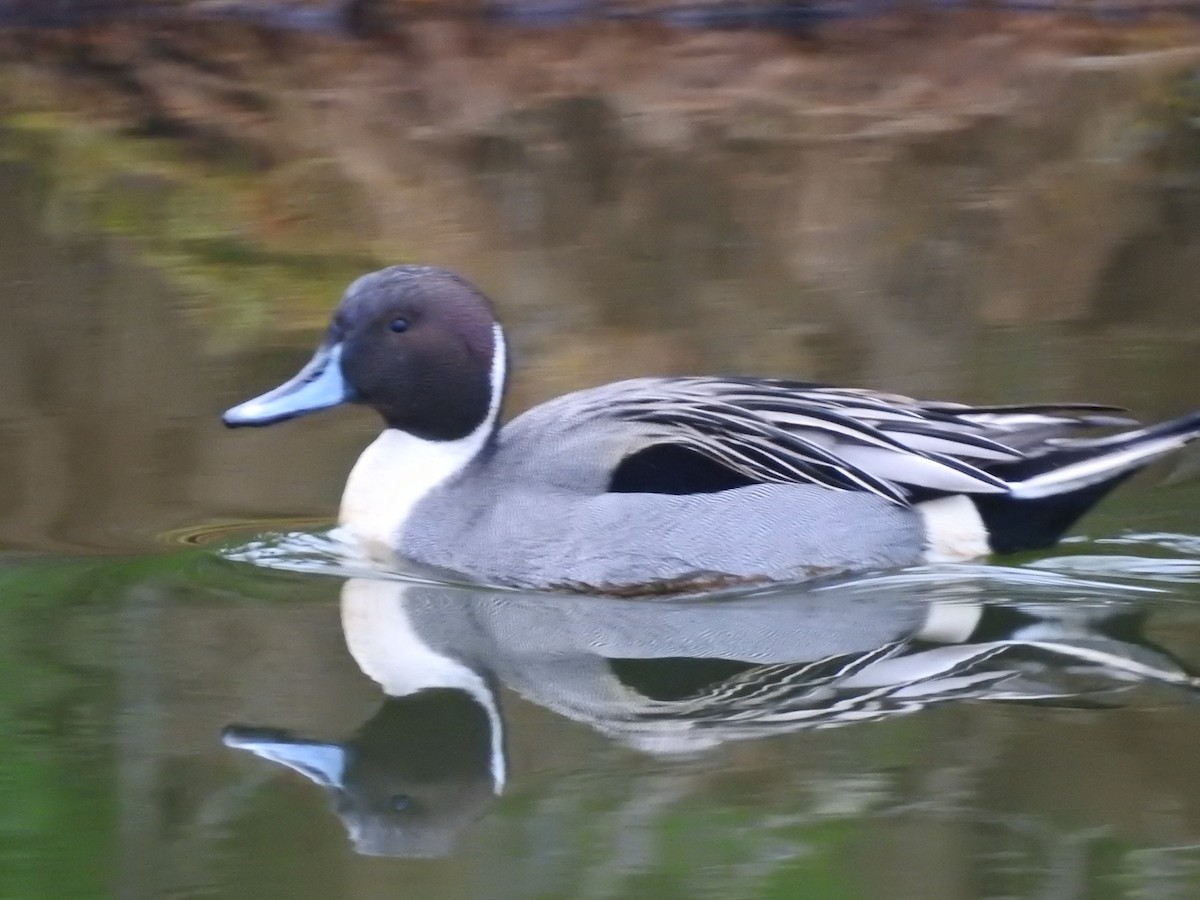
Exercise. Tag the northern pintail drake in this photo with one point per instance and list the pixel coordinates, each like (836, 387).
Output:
(683, 483)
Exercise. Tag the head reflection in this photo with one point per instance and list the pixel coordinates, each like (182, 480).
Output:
(678, 677)
(407, 781)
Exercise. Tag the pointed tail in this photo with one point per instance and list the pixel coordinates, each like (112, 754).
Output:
(1049, 491)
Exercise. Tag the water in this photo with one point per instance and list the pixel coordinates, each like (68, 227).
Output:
(199, 697)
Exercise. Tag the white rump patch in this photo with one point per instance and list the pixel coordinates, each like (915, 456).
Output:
(954, 530)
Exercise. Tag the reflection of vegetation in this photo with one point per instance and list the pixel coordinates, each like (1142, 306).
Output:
(251, 247)
(99, 801)
(810, 833)
(1174, 119)
(68, 656)
(57, 807)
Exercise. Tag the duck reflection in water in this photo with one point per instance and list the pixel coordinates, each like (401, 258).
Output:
(409, 779)
(678, 678)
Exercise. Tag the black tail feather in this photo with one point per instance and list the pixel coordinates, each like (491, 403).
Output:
(1014, 525)
(1051, 489)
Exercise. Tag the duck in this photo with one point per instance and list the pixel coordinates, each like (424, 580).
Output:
(678, 484)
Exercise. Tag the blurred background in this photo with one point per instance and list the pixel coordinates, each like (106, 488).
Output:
(978, 203)
(985, 201)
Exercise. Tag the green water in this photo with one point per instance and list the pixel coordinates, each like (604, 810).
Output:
(177, 721)
(121, 676)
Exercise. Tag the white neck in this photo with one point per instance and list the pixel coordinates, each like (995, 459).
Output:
(399, 470)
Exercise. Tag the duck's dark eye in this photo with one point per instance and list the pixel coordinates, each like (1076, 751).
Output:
(399, 325)
(401, 802)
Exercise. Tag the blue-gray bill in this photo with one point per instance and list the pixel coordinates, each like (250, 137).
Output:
(322, 763)
(319, 385)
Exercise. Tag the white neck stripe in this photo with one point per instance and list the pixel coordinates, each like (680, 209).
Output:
(498, 375)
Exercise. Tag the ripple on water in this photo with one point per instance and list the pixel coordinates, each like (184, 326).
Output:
(1159, 558)
(335, 553)
(1156, 564)
(212, 533)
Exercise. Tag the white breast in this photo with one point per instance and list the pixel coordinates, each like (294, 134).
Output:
(393, 475)
(398, 470)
